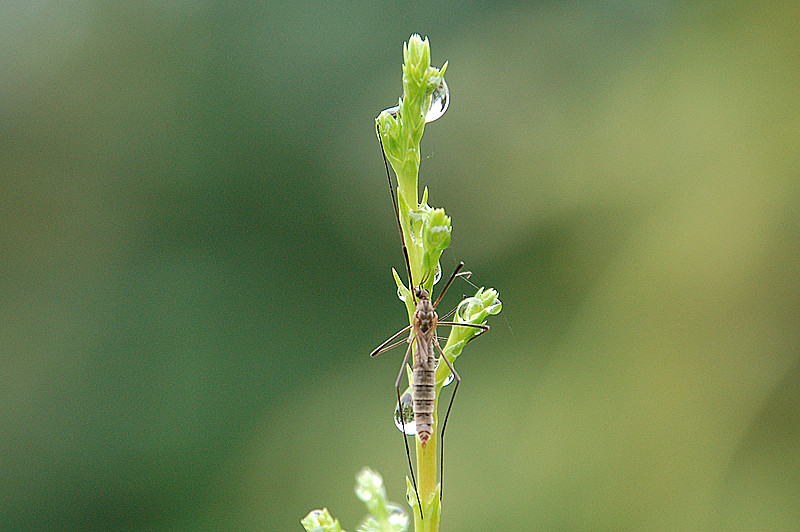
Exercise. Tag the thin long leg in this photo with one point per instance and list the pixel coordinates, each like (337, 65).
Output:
(397, 215)
(457, 377)
(481, 326)
(403, 422)
(381, 348)
(450, 313)
(397, 343)
(455, 272)
(479, 333)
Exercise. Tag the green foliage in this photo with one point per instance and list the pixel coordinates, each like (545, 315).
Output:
(383, 516)
(400, 130)
(320, 521)
(471, 310)
(426, 234)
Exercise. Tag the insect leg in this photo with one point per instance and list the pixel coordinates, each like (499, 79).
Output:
(403, 421)
(390, 347)
(381, 348)
(457, 377)
(455, 272)
(449, 313)
(482, 330)
(481, 326)
(396, 214)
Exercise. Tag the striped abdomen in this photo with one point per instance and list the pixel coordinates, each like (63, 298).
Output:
(423, 389)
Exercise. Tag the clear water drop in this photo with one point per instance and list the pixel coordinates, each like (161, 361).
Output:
(407, 421)
(461, 310)
(449, 378)
(401, 294)
(440, 100)
(437, 273)
(494, 306)
(396, 516)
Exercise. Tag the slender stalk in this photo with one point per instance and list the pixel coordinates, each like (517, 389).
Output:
(401, 135)
(427, 473)
(426, 234)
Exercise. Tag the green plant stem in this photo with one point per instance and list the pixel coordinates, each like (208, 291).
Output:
(427, 472)
(401, 140)
(426, 234)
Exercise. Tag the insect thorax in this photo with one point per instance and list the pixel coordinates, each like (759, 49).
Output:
(425, 316)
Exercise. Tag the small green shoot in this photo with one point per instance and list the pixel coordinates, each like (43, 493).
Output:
(383, 516)
(426, 232)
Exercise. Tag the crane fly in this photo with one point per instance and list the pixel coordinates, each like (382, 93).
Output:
(422, 334)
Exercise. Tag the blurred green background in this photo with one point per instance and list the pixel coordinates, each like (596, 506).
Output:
(197, 241)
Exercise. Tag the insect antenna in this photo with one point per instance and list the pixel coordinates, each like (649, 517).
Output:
(414, 299)
(482, 328)
(396, 214)
(455, 273)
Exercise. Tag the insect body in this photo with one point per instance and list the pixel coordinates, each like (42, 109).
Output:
(423, 375)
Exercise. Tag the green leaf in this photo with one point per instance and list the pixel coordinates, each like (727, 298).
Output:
(475, 310)
(320, 521)
(436, 231)
(369, 488)
(384, 516)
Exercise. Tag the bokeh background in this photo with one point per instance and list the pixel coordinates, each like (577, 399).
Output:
(197, 242)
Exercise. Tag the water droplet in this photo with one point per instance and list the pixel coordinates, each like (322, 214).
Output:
(440, 99)
(437, 273)
(449, 378)
(396, 516)
(494, 308)
(407, 421)
(401, 293)
(462, 309)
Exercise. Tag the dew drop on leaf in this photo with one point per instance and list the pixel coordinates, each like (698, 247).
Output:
(437, 273)
(440, 100)
(406, 423)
